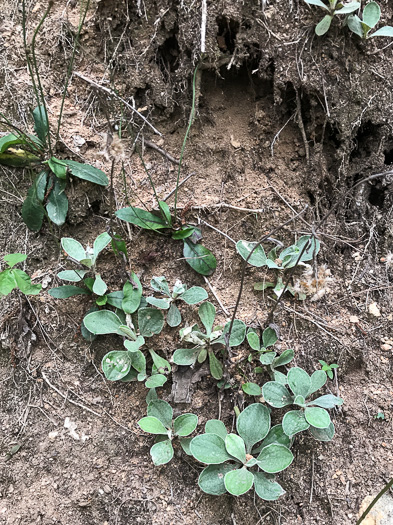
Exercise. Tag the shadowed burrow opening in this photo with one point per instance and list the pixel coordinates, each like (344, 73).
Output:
(388, 152)
(366, 141)
(377, 194)
(227, 29)
(167, 56)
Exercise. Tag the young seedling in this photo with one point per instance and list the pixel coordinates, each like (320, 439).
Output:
(328, 368)
(371, 17)
(191, 296)
(130, 365)
(312, 414)
(288, 258)
(12, 278)
(159, 421)
(230, 457)
(195, 254)
(267, 357)
(205, 343)
(333, 7)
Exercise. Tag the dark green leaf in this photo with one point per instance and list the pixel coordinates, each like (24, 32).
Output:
(142, 218)
(57, 205)
(269, 337)
(183, 233)
(166, 212)
(132, 294)
(32, 210)
(63, 292)
(87, 172)
(25, 139)
(199, 258)
(41, 125)
(58, 167)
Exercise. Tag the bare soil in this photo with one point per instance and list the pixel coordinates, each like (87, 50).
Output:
(284, 120)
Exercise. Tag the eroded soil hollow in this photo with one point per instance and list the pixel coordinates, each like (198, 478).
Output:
(284, 120)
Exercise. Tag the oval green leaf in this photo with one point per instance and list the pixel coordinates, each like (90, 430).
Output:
(317, 417)
(253, 424)
(274, 458)
(185, 424)
(238, 482)
(209, 449)
(276, 394)
(199, 258)
(162, 452)
(294, 422)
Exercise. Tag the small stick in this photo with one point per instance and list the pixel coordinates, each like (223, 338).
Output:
(203, 26)
(161, 151)
(312, 321)
(225, 205)
(218, 231)
(379, 495)
(114, 94)
(216, 296)
(178, 186)
(67, 398)
(312, 478)
(301, 126)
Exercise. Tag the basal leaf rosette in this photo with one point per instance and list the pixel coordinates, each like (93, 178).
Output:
(159, 421)
(230, 457)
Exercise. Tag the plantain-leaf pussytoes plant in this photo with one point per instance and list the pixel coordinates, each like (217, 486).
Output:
(333, 7)
(311, 414)
(130, 364)
(370, 18)
(159, 421)
(231, 457)
(12, 278)
(47, 195)
(267, 358)
(207, 343)
(307, 247)
(191, 296)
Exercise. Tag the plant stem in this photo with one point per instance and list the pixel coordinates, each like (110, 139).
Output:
(70, 66)
(185, 140)
(40, 90)
(374, 501)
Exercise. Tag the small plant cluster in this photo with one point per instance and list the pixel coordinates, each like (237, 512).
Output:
(237, 462)
(12, 278)
(359, 26)
(298, 254)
